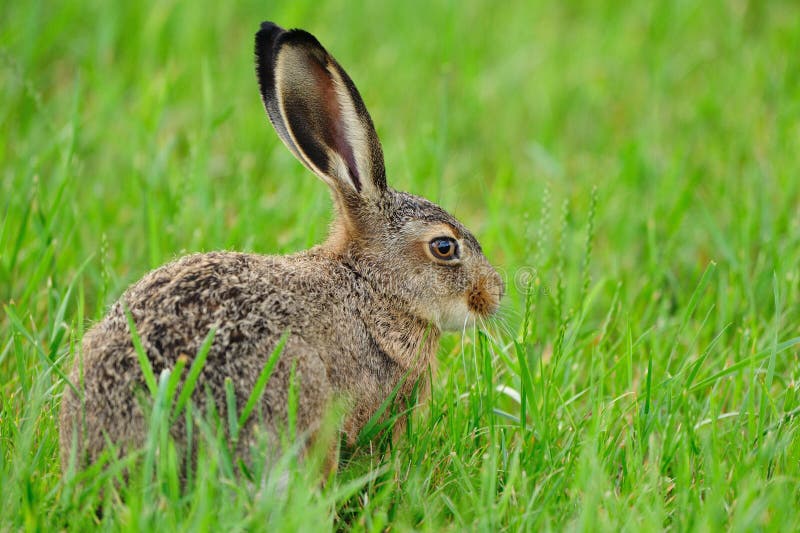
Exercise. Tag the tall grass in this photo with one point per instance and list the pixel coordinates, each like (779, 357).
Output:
(631, 169)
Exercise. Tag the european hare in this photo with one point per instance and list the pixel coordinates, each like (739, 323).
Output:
(364, 310)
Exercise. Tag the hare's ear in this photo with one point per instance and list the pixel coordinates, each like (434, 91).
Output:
(317, 111)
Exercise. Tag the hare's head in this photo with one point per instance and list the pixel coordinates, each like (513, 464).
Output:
(411, 250)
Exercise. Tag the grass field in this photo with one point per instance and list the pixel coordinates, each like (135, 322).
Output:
(632, 169)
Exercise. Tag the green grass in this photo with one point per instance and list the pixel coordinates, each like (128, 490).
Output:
(633, 170)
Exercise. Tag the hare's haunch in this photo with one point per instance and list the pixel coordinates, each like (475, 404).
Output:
(364, 309)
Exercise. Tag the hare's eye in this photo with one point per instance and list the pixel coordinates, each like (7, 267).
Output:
(444, 248)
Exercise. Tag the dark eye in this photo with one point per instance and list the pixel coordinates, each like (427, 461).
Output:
(444, 248)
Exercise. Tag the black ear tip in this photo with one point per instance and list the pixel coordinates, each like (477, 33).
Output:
(268, 33)
(268, 26)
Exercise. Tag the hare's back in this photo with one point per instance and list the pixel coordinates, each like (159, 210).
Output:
(248, 301)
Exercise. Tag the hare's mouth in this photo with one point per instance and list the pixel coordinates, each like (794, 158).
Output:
(454, 317)
(464, 313)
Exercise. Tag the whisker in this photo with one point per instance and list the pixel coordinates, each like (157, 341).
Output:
(475, 346)
(505, 327)
(498, 326)
(484, 326)
(463, 349)
(508, 309)
(510, 316)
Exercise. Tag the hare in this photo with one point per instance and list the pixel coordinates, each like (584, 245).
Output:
(364, 310)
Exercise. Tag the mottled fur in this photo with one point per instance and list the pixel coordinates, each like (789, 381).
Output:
(364, 309)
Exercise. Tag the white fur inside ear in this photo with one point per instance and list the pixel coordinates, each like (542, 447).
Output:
(356, 134)
(341, 170)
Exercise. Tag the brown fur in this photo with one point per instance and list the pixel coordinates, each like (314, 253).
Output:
(364, 310)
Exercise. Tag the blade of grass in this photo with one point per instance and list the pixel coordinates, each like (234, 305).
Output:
(230, 404)
(194, 373)
(141, 355)
(689, 311)
(50, 365)
(759, 356)
(263, 378)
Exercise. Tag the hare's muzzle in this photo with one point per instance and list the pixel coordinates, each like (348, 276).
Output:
(483, 297)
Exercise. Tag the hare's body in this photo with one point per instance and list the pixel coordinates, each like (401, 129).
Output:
(340, 341)
(364, 310)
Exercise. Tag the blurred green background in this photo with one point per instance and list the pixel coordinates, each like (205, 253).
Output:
(614, 150)
(143, 122)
